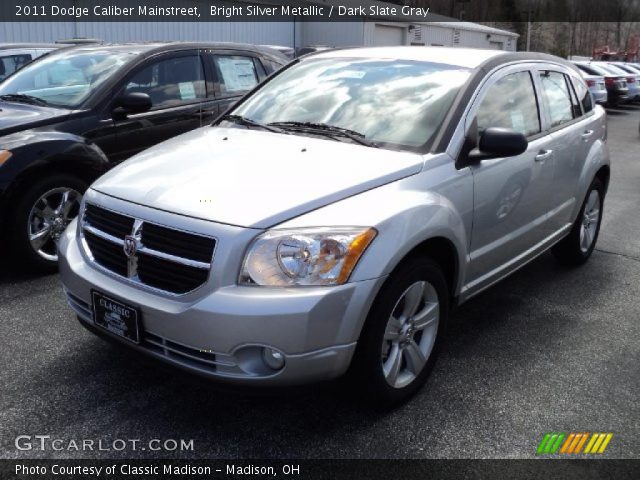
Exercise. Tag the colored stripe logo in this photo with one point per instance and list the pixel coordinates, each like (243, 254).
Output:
(573, 443)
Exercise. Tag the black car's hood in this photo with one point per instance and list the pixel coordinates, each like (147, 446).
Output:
(20, 116)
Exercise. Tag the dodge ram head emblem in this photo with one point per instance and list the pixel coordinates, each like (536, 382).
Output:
(130, 246)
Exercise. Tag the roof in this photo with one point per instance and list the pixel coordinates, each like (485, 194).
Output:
(7, 46)
(462, 57)
(475, 27)
(157, 47)
(472, 58)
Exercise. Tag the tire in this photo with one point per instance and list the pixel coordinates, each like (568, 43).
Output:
(373, 369)
(30, 216)
(577, 247)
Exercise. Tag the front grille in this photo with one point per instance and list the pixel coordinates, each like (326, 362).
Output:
(181, 244)
(107, 254)
(108, 222)
(163, 258)
(169, 276)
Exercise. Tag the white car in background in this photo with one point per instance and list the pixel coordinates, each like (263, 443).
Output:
(14, 56)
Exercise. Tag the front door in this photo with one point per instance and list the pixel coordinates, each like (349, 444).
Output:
(511, 195)
(177, 86)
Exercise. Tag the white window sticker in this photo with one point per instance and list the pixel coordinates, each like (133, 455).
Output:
(238, 74)
(517, 122)
(187, 90)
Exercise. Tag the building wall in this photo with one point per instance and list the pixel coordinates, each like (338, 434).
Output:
(337, 34)
(272, 33)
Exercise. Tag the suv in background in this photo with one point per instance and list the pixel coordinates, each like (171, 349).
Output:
(14, 56)
(68, 117)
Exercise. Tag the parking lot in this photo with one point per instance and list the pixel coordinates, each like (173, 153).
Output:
(549, 349)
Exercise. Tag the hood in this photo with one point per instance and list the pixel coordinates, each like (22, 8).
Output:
(20, 116)
(252, 178)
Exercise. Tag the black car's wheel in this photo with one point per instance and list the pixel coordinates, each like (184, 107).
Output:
(401, 337)
(577, 247)
(38, 217)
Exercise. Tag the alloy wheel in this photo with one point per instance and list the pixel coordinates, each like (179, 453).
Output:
(410, 334)
(49, 217)
(590, 221)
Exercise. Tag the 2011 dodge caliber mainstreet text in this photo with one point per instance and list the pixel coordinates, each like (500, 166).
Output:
(328, 223)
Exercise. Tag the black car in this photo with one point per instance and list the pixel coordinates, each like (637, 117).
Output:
(617, 89)
(69, 116)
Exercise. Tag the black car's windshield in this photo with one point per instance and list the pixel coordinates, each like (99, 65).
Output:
(63, 79)
(395, 103)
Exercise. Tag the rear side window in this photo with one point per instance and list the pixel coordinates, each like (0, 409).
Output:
(171, 81)
(557, 97)
(236, 73)
(510, 103)
(584, 97)
(11, 63)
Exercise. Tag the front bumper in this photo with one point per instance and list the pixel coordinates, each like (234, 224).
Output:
(221, 332)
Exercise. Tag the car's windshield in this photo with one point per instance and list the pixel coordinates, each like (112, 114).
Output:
(64, 79)
(394, 103)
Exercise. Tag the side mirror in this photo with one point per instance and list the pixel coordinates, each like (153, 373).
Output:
(498, 143)
(134, 102)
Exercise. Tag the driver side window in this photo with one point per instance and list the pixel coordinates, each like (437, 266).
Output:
(510, 103)
(171, 81)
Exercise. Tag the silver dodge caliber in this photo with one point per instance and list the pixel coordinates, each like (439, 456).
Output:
(328, 223)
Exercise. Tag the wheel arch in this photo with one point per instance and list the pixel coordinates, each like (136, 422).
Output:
(52, 153)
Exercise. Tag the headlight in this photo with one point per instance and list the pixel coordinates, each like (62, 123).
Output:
(4, 156)
(310, 256)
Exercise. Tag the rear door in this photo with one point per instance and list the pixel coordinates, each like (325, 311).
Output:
(181, 96)
(573, 129)
(511, 195)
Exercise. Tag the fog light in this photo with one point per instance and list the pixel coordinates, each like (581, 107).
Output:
(273, 358)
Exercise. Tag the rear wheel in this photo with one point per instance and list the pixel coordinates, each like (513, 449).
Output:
(39, 217)
(577, 247)
(402, 334)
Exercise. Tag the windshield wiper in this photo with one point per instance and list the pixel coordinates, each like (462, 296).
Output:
(328, 130)
(247, 122)
(22, 98)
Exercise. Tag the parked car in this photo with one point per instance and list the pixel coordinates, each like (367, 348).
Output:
(301, 51)
(634, 72)
(632, 78)
(596, 86)
(68, 117)
(14, 56)
(288, 52)
(617, 89)
(331, 220)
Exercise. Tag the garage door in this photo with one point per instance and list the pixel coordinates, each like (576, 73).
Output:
(385, 35)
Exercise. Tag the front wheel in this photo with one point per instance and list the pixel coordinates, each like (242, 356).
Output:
(577, 247)
(40, 215)
(400, 340)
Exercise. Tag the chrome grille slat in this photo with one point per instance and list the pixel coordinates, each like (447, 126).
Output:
(173, 262)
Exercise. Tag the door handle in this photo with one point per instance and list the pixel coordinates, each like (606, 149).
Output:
(587, 134)
(543, 155)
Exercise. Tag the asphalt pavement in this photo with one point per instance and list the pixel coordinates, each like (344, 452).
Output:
(548, 349)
